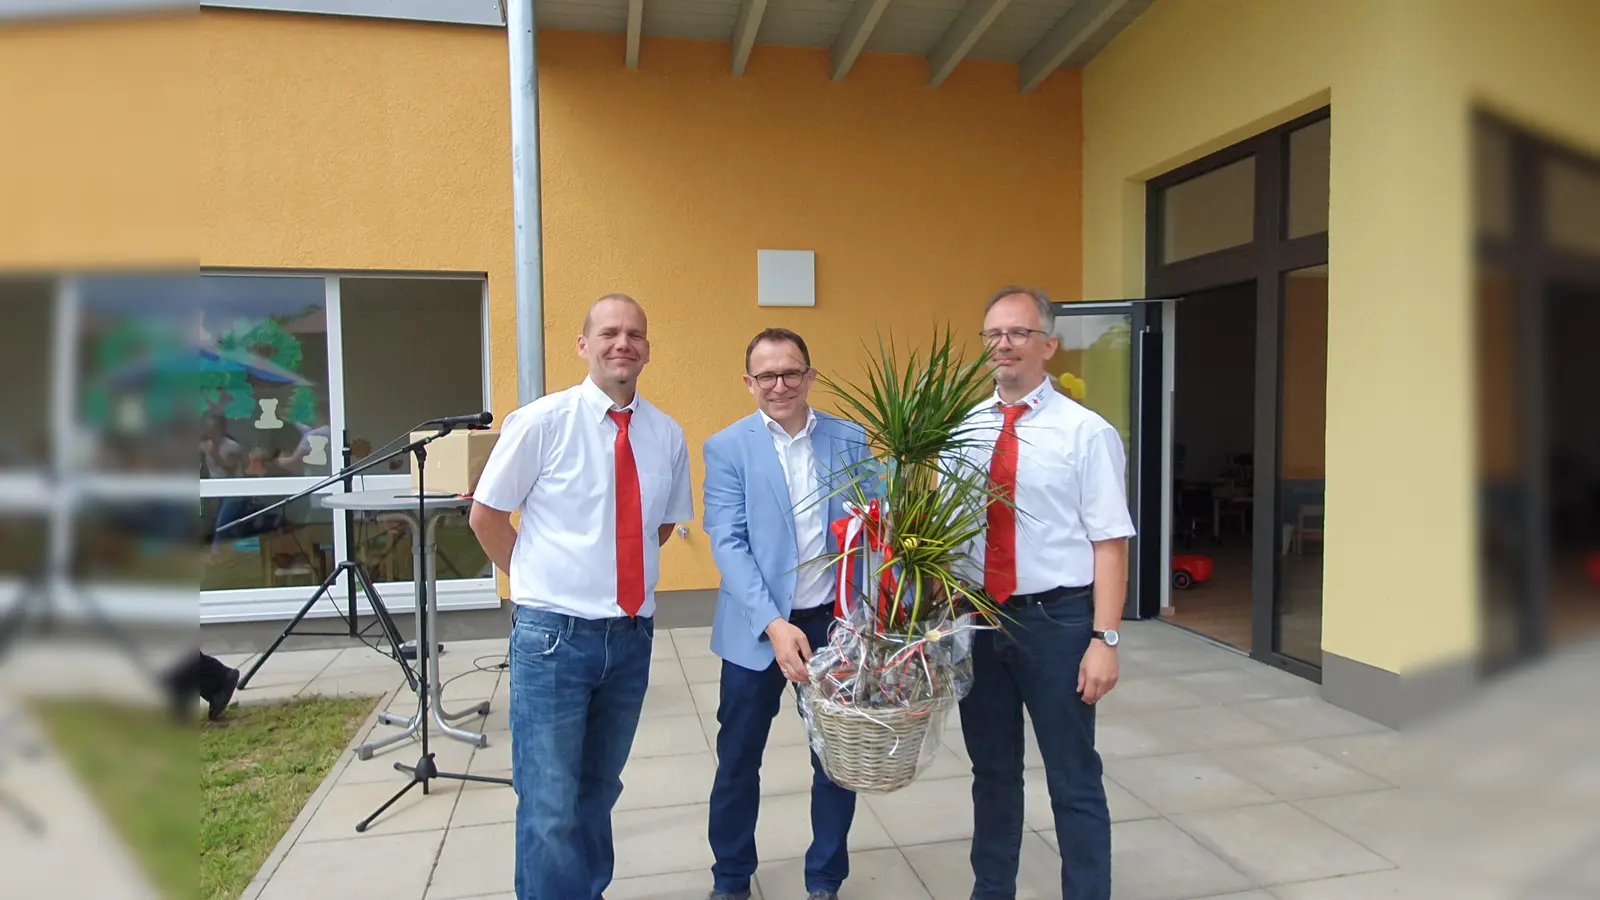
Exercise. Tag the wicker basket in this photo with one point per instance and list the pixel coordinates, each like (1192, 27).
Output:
(879, 751)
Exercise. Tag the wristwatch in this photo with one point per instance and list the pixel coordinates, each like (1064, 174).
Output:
(1110, 636)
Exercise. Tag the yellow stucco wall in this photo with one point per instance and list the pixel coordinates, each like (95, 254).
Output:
(340, 143)
(1189, 78)
(97, 143)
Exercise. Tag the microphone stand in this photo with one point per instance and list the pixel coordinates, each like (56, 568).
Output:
(425, 770)
(352, 568)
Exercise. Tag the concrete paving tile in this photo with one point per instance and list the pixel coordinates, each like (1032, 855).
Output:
(701, 669)
(1147, 694)
(1234, 685)
(463, 688)
(387, 867)
(347, 804)
(474, 861)
(358, 684)
(669, 736)
(668, 700)
(925, 812)
(1153, 859)
(1304, 718)
(874, 875)
(494, 759)
(946, 869)
(652, 782)
(663, 647)
(673, 886)
(1188, 782)
(1128, 736)
(666, 671)
(1381, 754)
(1211, 728)
(657, 841)
(1295, 772)
(1393, 884)
(1277, 844)
(449, 755)
(783, 829)
(484, 804)
(693, 643)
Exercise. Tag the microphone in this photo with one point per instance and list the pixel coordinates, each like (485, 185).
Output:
(474, 422)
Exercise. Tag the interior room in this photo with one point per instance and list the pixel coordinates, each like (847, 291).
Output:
(1573, 418)
(1213, 432)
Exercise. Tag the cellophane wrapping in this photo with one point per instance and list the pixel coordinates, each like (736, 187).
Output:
(890, 681)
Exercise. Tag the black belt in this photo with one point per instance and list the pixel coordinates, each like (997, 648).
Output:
(1023, 601)
(825, 611)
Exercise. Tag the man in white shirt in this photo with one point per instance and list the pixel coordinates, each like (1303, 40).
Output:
(771, 490)
(599, 476)
(1056, 561)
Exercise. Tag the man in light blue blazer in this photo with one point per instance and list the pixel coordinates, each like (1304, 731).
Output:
(766, 479)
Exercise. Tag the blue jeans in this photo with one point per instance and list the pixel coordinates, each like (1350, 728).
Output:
(577, 687)
(748, 704)
(1034, 663)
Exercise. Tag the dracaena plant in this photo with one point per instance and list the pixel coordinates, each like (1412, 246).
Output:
(914, 407)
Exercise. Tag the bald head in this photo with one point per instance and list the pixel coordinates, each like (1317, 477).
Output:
(608, 300)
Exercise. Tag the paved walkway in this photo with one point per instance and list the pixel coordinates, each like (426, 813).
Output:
(1227, 779)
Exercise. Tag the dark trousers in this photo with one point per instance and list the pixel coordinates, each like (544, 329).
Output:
(1034, 663)
(748, 704)
(198, 674)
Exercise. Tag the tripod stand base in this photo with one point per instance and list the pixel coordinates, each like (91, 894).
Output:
(423, 772)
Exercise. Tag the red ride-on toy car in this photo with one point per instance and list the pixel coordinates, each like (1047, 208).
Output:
(1190, 569)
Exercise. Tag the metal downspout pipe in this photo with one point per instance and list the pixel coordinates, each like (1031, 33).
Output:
(528, 233)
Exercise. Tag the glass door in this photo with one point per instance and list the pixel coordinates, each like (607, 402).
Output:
(1110, 360)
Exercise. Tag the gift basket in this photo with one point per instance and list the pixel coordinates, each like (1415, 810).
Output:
(898, 658)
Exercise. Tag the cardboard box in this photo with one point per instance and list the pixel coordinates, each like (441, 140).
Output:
(455, 461)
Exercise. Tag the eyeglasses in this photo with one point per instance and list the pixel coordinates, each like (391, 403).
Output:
(1014, 336)
(767, 380)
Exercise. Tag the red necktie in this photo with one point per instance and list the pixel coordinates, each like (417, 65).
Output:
(1000, 555)
(630, 528)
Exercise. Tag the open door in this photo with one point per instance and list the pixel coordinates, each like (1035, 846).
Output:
(1112, 360)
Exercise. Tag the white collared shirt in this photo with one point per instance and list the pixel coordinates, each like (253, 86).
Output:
(555, 463)
(813, 587)
(1071, 487)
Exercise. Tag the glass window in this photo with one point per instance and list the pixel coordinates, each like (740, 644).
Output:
(1209, 212)
(26, 373)
(413, 350)
(1572, 207)
(262, 356)
(383, 546)
(289, 547)
(136, 373)
(1308, 179)
(1492, 180)
(1302, 473)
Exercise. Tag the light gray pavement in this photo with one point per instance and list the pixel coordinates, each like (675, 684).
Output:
(1227, 779)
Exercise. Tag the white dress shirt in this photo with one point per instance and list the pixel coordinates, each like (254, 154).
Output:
(813, 587)
(555, 462)
(1071, 487)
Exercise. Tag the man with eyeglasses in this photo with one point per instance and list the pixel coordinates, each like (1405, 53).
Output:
(770, 486)
(1055, 560)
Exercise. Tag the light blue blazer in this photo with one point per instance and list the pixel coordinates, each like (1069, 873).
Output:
(751, 523)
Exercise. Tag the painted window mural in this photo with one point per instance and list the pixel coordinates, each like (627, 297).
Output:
(262, 361)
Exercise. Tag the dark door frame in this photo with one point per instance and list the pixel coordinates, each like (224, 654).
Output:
(1266, 261)
(1535, 266)
(1147, 500)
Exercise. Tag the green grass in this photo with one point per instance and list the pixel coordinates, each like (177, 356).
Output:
(258, 765)
(257, 768)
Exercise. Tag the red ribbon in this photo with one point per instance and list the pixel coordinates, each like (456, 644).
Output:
(849, 540)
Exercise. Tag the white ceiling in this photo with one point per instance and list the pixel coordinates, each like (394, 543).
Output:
(1056, 32)
(1038, 35)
